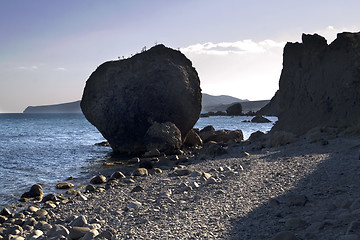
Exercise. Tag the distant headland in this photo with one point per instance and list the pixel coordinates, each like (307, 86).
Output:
(210, 103)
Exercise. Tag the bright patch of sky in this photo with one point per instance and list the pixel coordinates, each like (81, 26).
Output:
(49, 49)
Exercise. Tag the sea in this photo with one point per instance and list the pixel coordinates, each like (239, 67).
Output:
(49, 148)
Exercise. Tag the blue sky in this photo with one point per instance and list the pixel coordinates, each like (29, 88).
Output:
(48, 49)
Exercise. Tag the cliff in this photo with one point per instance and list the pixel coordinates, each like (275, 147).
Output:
(320, 84)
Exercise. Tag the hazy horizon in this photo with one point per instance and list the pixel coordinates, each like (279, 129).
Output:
(49, 49)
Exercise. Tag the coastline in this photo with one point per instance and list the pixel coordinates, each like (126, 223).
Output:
(305, 189)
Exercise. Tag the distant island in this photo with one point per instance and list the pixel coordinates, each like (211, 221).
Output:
(210, 103)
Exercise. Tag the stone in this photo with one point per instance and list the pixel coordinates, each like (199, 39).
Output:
(64, 185)
(134, 204)
(193, 139)
(90, 188)
(285, 236)
(2, 219)
(91, 235)
(79, 221)
(211, 150)
(146, 164)
(183, 171)
(234, 110)
(137, 189)
(319, 85)
(43, 226)
(152, 153)
(50, 197)
(36, 192)
(221, 136)
(36, 234)
(99, 179)
(117, 175)
(260, 119)
(30, 222)
(124, 98)
(78, 232)
(165, 137)
(58, 230)
(141, 172)
(5, 212)
(40, 213)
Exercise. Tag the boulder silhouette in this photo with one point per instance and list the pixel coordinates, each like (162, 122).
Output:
(123, 98)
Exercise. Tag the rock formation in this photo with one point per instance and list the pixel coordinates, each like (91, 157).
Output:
(234, 110)
(320, 84)
(124, 98)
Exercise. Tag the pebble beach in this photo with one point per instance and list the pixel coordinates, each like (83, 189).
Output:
(301, 190)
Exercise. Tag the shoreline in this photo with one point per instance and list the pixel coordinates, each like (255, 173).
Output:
(305, 189)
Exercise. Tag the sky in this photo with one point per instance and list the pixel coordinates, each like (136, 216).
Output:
(48, 49)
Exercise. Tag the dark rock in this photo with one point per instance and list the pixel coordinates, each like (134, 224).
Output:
(137, 189)
(257, 136)
(64, 185)
(260, 119)
(5, 212)
(117, 175)
(221, 136)
(99, 179)
(141, 172)
(193, 139)
(207, 128)
(50, 197)
(78, 232)
(124, 98)
(146, 164)
(234, 110)
(103, 144)
(165, 137)
(319, 84)
(211, 150)
(36, 192)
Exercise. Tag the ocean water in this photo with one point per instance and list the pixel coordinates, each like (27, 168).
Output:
(48, 148)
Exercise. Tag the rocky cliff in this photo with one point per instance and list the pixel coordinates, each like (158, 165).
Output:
(320, 84)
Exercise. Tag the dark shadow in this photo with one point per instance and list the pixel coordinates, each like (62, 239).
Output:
(329, 190)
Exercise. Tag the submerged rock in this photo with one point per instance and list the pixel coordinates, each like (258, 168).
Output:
(124, 98)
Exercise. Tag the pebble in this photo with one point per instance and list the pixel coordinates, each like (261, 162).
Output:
(137, 189)
(182, 171)
(134, 205)
(64, 185)
(99, 179)
(79, 221)
(117, 175)
(141, 172)
(78, 232)
(57, 231)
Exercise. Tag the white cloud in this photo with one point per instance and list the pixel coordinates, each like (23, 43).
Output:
(28, 68)
(238, 47)
(244, 69)
(60, 69)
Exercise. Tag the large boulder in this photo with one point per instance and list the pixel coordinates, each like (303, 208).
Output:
(122, 99)
(320, 84)
(234, 110)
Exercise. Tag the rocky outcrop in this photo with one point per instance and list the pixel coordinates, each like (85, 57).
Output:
(319, 84)
(234, 110)
(124, 98)
(271, 108)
